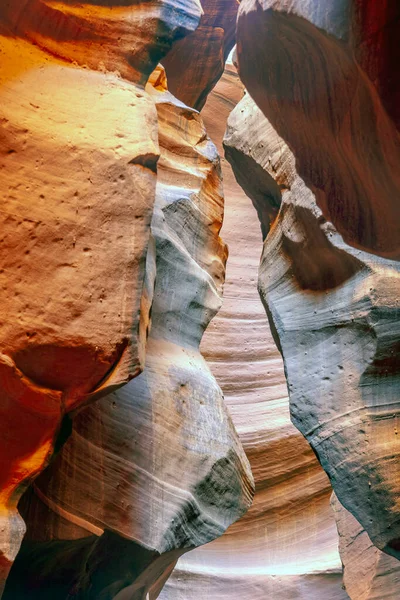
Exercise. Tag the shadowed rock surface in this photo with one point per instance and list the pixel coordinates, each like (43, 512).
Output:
(297, 58)
(111, 264)
(334, 311)
(196, 64)
(369, 574)
(286, 544)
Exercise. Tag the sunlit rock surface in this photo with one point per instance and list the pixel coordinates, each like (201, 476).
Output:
(369, 574)
(157, 462)
(196, 63)
(322, 73)
(335, 313)
(89, 230)
(286, 545)
(78, 152)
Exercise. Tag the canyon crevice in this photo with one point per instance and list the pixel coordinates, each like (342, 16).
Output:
(334, 313)
(286, 546)
(174, 415)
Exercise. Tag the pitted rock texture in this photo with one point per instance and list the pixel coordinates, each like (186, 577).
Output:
(335, 314)
(297, 58)
(196, 63)
(286, 545)
(78, 148)
(369, 574)
(156, 465)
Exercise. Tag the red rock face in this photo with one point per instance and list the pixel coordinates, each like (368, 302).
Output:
(369, 574)
(375, 36)
(196, 63)
(110, 253)
(78, 154)
(297, 65)
(108, 35)
(322, 77)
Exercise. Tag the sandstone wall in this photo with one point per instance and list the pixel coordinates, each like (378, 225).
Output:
(286, 546)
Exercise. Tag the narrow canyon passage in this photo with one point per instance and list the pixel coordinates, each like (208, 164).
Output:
(286, 546)
(177, 423)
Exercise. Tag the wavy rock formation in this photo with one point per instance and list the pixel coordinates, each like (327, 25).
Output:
(78, 158)
(196, 63)
(369, 574)
(286, 544)
(298, 59)
(112, 267)
(335, 313)
(155, 468)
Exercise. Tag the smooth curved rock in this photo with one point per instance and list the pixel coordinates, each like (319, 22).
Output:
(335, 314)
(196, 63)
(156, 465)
(78, 154)
(286, 544)
(297, 58)
(123, 37)
(369, 574)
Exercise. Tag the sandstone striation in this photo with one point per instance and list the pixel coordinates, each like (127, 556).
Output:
(369, 574)
(156, 468)
(334, 311)
(298, 59)
(112, 267)
(78, 152)
(286, 544)
(196, 63)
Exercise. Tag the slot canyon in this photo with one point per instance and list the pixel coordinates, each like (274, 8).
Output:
(200, 292)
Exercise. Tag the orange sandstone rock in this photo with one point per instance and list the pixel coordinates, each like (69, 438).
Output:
(196, 63)
(369, 574)
(155, 468)
(78, 154)
(285, 546)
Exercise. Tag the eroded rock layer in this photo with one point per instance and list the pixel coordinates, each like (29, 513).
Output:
(195, 64)
(298, 61)
(286, 545)
(155, 468)
(369, 574)
(335, 314)
(78, 148)
(111, 251)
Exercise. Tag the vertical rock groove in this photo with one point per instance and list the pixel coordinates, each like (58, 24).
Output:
(286, 545)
